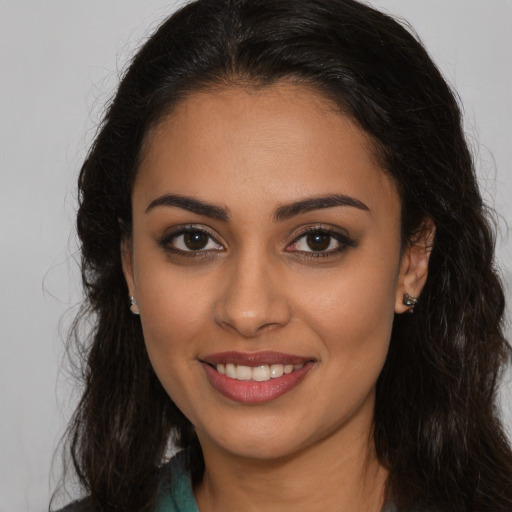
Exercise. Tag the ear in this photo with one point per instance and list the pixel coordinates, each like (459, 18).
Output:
(127, 263)
(414, 265)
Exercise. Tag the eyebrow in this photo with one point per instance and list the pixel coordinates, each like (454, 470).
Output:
(192, 205)
(317, 203)
(285, 212)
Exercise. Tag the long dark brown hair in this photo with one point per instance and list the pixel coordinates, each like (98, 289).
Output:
(437, 426)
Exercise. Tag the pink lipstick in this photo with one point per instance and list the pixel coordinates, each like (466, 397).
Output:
(257, 377)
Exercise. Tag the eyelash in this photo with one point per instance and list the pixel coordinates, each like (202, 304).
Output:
(343, 240)
(167, 241)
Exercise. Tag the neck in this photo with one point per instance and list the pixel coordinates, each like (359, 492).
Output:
(331, 475)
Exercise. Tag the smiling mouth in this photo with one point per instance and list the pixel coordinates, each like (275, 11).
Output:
(255, 378)
(260, 373)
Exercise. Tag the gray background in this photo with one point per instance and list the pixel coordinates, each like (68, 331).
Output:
(59, 63)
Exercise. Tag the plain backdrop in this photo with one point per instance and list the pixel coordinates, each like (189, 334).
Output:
(59, 64)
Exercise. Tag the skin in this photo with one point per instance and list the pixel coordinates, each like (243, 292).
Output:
(259, 286)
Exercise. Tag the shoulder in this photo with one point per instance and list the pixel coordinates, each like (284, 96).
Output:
(175, 492)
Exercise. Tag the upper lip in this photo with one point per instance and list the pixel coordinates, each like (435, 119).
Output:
(254, 358)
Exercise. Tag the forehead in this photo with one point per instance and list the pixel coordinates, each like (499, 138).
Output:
(266, 146)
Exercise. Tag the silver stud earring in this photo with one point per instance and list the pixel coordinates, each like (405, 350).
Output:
(134, 306)
(410, 302)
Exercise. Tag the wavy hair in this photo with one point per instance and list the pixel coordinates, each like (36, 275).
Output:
(437, 428)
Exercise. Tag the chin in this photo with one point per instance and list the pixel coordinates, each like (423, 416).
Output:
(266, 441)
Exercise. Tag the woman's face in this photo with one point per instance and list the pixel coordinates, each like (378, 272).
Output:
(266, 261)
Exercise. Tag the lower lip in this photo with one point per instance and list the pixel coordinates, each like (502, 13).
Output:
(252, 392)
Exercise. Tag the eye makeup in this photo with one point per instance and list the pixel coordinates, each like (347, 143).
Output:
(191, 241)
(320, 241)
(310, 242)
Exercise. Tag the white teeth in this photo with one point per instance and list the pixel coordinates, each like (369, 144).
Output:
(261, 373)
(276, 370)
(243, 372)
(231, 371)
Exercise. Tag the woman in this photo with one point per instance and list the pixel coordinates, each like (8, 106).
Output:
(277, 185)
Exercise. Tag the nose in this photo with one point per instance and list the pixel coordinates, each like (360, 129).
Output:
(253, 299)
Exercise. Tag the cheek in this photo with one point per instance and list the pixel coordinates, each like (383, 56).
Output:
(353, 311)
(172, 322)
(356, 333)
(174, 311)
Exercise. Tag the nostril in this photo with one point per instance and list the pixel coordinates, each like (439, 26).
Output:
(250, 303)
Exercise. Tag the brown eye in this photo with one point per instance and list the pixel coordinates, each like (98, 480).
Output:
(191, 241)
(318, 241)
(195, 240)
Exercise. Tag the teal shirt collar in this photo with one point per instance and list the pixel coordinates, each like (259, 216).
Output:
(178, 496)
